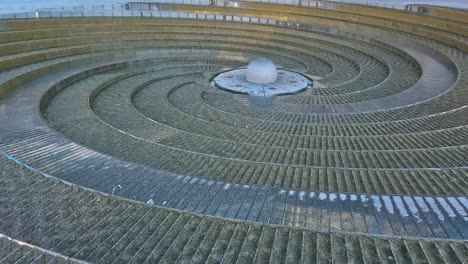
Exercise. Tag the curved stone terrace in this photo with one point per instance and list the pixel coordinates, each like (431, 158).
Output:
(117, 148)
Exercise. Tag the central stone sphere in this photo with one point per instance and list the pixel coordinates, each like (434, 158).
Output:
(261, 70)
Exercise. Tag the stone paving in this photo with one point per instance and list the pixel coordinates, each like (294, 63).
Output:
(91, 227)
(124, 107)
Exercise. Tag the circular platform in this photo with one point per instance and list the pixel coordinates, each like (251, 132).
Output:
(288, 82)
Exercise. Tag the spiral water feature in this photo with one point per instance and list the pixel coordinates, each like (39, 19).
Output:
(367, 165)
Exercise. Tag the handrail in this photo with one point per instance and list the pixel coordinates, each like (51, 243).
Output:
(138, 13)
(152, 5)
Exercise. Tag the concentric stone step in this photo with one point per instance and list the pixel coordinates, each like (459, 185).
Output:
(367, 166)
(92, 227)
(14, 251)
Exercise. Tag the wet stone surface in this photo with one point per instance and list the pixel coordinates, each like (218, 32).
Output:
(340, 172)
(287, 83)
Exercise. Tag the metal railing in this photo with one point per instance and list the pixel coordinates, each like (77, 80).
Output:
(152, 8)
(235, 3)
(44, 14)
